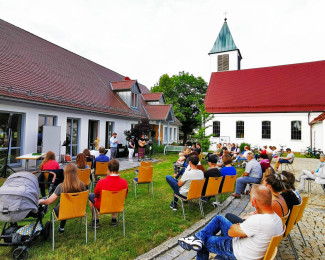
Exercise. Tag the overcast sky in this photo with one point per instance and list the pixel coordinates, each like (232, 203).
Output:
(144, 39)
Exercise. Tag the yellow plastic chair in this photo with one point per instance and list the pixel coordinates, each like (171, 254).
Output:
(72, 205)
(101, 170)
(285, 218)
(194, 192)
(84, 176)
(144, 177)
(200, 157)
(227, 187)
(89, 164)
(290, 223)
(300, 214)
(273, 246)
(212, 189)
(146, 163)
(111, 202)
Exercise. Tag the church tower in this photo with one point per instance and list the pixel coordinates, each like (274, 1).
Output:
(224, 54)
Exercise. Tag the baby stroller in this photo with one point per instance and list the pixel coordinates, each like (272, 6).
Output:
(19, 202)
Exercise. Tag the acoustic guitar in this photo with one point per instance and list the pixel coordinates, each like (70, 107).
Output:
(142, 143)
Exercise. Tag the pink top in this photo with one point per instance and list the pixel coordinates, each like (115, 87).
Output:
(50, 165)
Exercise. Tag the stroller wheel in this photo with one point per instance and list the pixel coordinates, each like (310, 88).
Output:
(20, 253)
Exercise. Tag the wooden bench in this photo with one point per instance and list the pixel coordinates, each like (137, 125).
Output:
(173, 148)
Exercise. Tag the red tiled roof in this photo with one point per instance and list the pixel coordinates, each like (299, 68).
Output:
(318, 119)
(287, 88)
(158, 112)
(35, 70)
(122, 85)
(152, 96)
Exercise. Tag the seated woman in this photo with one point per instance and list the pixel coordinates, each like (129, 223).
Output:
(187, 166)
(290, 194)
(181, 160)
(89, 157)
(264, 161)
(81, 161)
(70, 184)
(228, 169)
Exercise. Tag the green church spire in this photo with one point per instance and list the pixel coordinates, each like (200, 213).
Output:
(224, 42)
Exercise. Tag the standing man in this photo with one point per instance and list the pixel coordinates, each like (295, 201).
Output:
(113, 141)
(131, 147)
(252, 174)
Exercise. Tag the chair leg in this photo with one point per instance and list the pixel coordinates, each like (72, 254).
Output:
(123, 223)
(293, 247)
(95, 218)
(80, 225)
(53, 227)
(135, 189)
(201, 207)
(152, 190)
(86, 228)
(148, 187)
(301, 235)
(183, 209)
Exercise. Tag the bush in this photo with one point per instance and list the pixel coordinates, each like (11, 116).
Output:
(242, 145)
(158, 148)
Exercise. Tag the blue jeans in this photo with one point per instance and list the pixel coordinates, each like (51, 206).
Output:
(220, 245)
(241, 159)
(283, 161)
(242, 181)
(173, 183)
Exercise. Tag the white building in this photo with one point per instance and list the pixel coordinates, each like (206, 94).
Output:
(44, 84)
(264, 106)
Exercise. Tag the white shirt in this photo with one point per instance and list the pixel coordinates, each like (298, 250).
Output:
(187, 177)
(259, 228)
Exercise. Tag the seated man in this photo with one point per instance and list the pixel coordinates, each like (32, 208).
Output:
(288, 159)
(113, 182)
(101, 157)
(247, 240)
(212, 171)
(252, 174)
(243, 155)
(182, 186)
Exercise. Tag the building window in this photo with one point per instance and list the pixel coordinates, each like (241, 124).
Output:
(223, 62)
(14, 145)
(240, 129)
(42, 121)
(92, 133)
(266, 129)
(216, 128)
(295, 130)
(109, 132)
(134, 100)
(72, 137)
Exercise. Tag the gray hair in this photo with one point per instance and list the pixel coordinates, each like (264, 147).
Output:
(251, 155)
(322, 156)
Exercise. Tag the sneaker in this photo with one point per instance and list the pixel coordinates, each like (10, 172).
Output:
(173, 206)
(61, 230)
(237, 196)
(114, 222)
(190, 243)
(93, 224)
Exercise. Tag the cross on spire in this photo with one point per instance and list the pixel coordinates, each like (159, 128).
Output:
(225, 13)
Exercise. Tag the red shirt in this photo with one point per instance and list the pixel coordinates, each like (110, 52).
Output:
(50, 165)
(111, 183)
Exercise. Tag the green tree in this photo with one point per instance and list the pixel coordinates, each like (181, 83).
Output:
(185, 92)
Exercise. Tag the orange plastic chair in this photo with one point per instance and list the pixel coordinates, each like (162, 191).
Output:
(227, 187)
(89, 164)
(144, 177)
(101, 170)
(111, 202)
(273, 246)
(212, 188)
(201, 157)
(84, 176)
(300, 214)
(146, 163)
(72, 205)
(290, 223)
(194, 192)
(285, 218)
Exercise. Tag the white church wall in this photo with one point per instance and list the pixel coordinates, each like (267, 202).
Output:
(280, 128)
(233, 60)
(30, 114)
(317, 136)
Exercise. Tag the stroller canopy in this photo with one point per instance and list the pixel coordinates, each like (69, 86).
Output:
(18, 196)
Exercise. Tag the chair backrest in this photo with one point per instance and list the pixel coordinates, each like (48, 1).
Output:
(146, 163)
(89, 164)
(101, 168)
(229, 183)
(285, 218)
(145, 174)
(73, 205)
(195, 190)
(84, 176)
(200, 157)
(272, 248)
(201, 167)
(292, 219)
(112, 201)
(302, 209)
(213, 186)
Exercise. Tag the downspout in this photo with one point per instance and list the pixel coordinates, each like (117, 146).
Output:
(311, 131)
(159, 133)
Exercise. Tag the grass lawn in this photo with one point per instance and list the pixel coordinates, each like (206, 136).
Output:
(149, 222)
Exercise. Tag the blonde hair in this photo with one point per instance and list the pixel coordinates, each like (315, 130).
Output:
(71, 181)
(49, 156)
